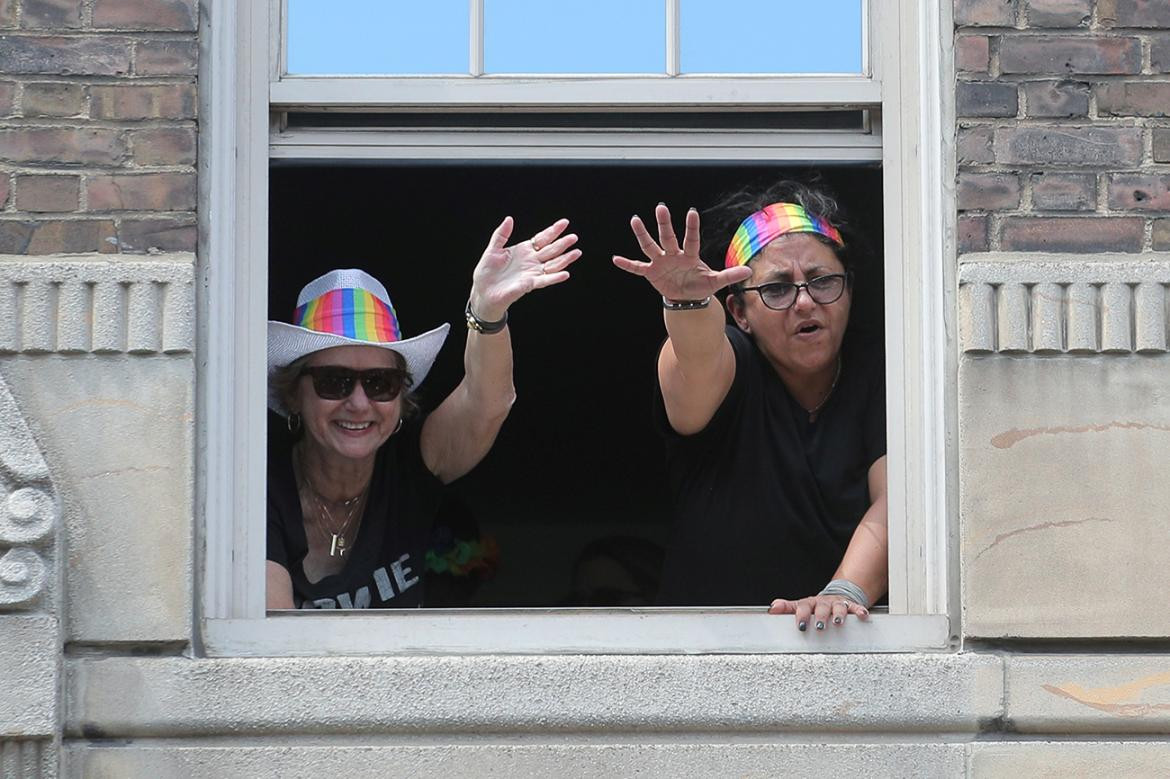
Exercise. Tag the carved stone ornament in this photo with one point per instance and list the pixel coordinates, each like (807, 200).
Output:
(1064, 307)
(22, 576)
(28, 509)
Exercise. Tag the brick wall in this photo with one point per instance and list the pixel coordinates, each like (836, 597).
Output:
(97, 125)
(1064, 125)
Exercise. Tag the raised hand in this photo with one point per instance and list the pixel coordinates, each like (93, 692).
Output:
(505, 274)
(677, 272)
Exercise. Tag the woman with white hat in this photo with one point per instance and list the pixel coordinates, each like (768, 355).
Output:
(350, 504)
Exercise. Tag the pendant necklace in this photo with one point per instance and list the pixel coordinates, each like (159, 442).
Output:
(337, 543)
(336, 536)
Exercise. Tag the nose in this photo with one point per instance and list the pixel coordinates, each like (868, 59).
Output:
(804, 301)
(357, 398)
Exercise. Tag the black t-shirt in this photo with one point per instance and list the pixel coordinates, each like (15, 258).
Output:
(384, 568)
(764, 501)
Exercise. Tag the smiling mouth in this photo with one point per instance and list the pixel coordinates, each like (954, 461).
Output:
(354, 426)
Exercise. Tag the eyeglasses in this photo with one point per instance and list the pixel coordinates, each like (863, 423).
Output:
(779, 295)
(333, 382)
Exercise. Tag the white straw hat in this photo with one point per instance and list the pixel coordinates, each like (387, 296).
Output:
(347, 308)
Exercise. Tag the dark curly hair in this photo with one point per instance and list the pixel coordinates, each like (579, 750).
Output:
(721, 220)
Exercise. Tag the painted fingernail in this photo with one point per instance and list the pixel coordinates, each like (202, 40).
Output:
(836, 620)
(803, 626)
(820, 625)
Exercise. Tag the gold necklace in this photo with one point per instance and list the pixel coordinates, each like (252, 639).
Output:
(336, 537)
(812, 412)
(337, 542)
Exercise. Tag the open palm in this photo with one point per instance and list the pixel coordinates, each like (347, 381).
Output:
(677, 272)
(505, 273)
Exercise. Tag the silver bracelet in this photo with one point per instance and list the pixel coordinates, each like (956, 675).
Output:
(846, 589)
(685, 305)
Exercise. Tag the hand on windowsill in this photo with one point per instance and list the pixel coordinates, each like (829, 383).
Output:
(819, 611)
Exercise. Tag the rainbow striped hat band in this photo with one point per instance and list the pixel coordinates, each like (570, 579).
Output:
(771, 222)
(351, 312)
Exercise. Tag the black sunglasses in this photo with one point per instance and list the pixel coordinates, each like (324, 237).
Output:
(333, 382)
(779, 295)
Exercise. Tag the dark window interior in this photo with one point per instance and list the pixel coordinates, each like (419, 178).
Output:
(572, 492)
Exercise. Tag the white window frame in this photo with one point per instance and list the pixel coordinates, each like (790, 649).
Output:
(910, 86)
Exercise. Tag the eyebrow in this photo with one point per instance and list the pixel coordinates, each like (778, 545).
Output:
(810, 273)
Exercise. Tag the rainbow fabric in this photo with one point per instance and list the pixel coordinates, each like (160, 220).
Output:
(349, 312)
(771, 222)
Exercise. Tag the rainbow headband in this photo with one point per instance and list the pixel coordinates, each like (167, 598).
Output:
(771, 222)
(350, 312)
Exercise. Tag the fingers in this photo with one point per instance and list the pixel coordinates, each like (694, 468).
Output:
(818, 611)
(501, 234)
(782, 606)
(548, 279)
(634, 267)
(691, 236)
(666, 237)
(820, 614)
(729, 276)
(557, 264)
(651, 249)
(803, 612)
(555, 247)
(800, 608)
(545, 237)
(839, 611)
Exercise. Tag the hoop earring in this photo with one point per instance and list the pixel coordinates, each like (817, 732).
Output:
(294, 422)
(398, 427)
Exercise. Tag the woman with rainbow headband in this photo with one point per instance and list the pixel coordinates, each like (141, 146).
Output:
(351, 503)
(775, 427)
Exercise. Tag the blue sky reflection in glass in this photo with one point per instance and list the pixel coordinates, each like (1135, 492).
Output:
(574, 36)
(357, 37)
(770, 36)
(417, 37)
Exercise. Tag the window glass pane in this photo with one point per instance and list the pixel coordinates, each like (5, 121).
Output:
(771, 36)
(574, 36)
(378, 36)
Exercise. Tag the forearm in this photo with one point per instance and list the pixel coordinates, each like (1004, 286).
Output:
(487, 380)
(697, 337)
(278, 586)
(866, 560)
